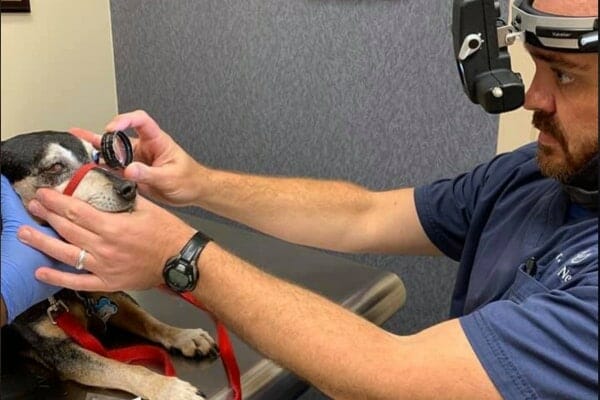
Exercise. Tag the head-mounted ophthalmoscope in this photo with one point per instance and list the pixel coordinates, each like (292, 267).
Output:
(481, 41)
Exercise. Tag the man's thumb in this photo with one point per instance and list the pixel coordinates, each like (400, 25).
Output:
(138, 172)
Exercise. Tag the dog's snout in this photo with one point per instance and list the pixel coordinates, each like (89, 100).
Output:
(126, 189)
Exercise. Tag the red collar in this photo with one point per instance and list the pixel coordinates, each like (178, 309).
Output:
(77, 177)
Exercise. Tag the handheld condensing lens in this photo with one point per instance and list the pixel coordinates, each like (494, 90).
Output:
(116, 149)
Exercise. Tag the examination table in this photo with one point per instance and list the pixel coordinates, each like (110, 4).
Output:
(371, 293)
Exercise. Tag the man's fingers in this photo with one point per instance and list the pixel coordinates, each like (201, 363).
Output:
(65, 228)
(139, 120)
(58, 209)
(86, 282)
(55, 248)
(86, 135)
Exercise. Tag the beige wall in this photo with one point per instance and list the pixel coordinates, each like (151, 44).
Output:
(515, 127)
(57, 67)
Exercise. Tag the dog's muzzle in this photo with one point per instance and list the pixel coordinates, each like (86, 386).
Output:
(126, 189)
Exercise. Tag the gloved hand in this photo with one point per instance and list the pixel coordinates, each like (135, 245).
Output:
(20, 289)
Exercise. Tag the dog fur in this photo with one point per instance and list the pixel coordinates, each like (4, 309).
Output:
(49, 159)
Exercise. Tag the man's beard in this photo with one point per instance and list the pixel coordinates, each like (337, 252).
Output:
(561, 169)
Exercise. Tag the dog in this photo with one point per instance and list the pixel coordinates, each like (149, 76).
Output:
(49, 159)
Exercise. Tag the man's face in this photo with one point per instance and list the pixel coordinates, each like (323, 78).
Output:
(564, 98)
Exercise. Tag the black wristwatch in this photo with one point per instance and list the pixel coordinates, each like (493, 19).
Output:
(180, 272)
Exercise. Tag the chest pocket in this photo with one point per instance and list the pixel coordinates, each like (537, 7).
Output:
(524, 286)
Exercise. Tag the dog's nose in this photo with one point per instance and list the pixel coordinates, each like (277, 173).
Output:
(126, 189)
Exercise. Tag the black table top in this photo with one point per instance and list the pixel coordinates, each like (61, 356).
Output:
(369, 292)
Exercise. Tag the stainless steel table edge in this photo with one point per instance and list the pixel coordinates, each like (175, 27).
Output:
(376, 304)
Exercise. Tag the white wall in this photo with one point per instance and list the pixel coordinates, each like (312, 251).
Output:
(57, 67)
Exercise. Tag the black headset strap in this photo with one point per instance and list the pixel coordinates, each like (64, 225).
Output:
(582, 188)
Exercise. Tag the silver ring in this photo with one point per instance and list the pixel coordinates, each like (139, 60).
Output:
(79, 265)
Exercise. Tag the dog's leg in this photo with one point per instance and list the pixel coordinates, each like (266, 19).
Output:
(75, 363)
(132, 318)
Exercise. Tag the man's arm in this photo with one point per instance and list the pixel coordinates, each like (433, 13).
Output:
(328, 214)
(339, 352)
(342, 354)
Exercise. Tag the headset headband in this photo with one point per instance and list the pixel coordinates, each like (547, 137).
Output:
(555, 32)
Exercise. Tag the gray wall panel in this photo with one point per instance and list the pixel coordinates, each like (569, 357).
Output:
(360, 90)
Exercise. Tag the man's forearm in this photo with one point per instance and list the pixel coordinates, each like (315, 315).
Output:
(335, 350)
(305, 211)
(314, 338)
(328, 214)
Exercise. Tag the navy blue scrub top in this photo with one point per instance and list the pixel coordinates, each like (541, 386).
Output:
(527, 286)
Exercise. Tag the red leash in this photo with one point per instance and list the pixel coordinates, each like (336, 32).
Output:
(225, 348)
(154, 355)
(147, 353)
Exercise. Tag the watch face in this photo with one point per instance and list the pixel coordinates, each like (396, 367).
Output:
(178, 278)
(180, 272)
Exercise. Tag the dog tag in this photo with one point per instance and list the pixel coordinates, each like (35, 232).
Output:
(105, 308)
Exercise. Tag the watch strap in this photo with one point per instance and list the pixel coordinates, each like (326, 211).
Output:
(194, 246)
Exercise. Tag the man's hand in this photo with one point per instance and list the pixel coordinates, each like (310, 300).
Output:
(124, 250)
(20, 289)
(162, 169)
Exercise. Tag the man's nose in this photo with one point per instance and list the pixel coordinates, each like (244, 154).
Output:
(539, 96)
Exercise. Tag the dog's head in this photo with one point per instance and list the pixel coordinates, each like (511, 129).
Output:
(49, 159)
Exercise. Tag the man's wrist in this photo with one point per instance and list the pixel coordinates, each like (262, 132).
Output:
(203, 263)
(180, 272)
(203, 181)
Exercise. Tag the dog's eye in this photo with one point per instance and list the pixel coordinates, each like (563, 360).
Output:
(55, 168)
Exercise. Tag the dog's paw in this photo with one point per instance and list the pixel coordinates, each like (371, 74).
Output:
(175, 388)
(193, 342)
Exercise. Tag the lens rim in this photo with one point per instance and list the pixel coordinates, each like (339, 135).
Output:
(108, 151)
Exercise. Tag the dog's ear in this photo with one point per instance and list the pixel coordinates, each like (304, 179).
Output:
(1, 154)
(11, 161)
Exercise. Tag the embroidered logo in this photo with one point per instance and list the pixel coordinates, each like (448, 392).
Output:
(565, 274)
(559, 258)
(580, 257)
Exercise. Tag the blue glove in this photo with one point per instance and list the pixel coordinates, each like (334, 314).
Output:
(20, 289)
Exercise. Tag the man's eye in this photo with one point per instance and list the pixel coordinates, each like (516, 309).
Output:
(55, 168)
(562, 77)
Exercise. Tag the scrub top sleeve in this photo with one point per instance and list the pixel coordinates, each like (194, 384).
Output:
(446, 207)
(540, 343)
